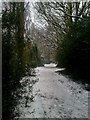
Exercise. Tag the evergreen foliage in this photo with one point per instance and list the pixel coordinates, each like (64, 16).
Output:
(17, 54)
(74, 51)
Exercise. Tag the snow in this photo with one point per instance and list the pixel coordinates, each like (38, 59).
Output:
(54, 96)
(50, 65)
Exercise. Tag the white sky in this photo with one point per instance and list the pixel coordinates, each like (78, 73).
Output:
(37, 21)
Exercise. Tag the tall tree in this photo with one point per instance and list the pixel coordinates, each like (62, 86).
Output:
(13, 43)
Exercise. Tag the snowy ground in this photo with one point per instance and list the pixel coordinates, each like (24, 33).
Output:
(54, 96)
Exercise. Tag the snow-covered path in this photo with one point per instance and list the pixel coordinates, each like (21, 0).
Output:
(55, 97)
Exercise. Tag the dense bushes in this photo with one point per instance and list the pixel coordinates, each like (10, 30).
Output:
(74, 51)
(17, 54)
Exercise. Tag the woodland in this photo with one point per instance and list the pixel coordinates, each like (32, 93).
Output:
(66, 27)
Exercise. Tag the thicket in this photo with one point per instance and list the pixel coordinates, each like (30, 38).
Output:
(73, 53)
(17, 54)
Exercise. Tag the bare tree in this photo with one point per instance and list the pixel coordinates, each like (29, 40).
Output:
(62, 14)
